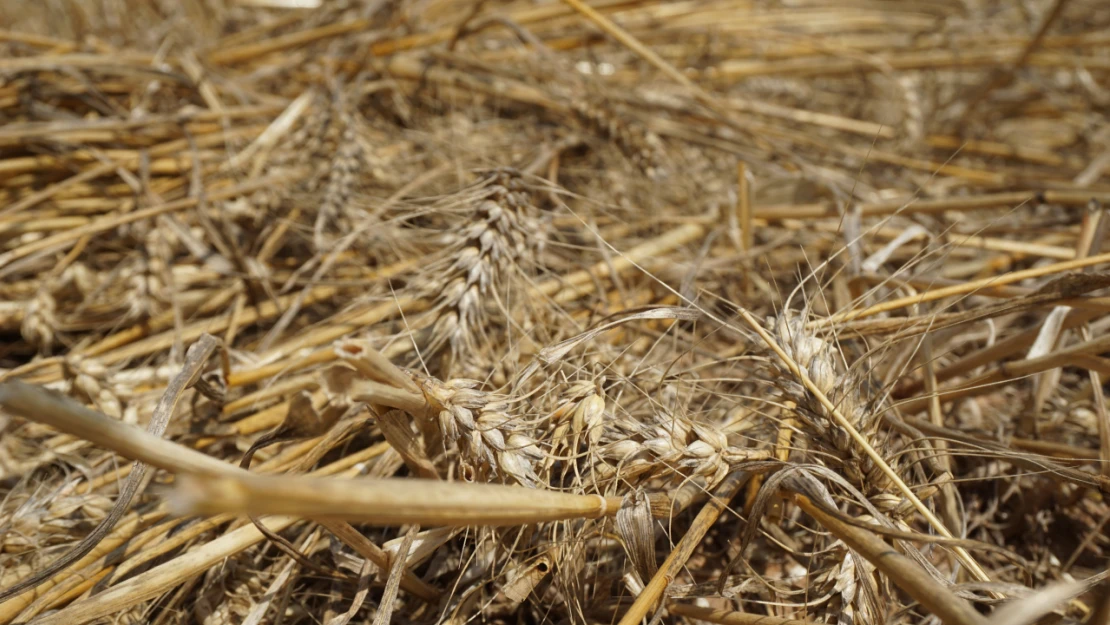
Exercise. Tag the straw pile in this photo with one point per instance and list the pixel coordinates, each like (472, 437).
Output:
(534, 312)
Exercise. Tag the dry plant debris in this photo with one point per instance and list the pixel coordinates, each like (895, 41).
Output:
(554, 312)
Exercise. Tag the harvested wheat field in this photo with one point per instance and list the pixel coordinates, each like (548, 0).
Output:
(614, 312)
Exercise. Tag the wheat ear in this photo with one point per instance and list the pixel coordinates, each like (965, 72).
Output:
(875, 456)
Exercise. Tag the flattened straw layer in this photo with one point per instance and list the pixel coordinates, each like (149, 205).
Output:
(164, 184)
(164, 577)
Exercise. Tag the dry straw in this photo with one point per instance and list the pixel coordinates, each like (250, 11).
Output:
(553, 311)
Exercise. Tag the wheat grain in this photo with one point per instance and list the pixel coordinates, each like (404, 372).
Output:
(493, 444)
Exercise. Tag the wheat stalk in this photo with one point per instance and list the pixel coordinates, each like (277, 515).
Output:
(385, 502)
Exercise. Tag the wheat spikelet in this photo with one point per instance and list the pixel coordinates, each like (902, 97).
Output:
(82, 280)
(326, 138)
(577, 421)
(145, 276)
(845, 586)
(665, 445)
(308, 140)
(55, 304)
(639, 145)
(341, 177)
(89, 382)
(856, 398)
(820, 361)
(502, 231)
(492, 443)
(40, 321)
(142, 290)
(913, 117)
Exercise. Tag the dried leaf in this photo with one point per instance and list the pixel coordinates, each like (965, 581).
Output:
(524, 579)
(637, 531)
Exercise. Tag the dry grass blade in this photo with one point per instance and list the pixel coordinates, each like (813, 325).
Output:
(365, 574)
(385, 612)
(635, 525)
